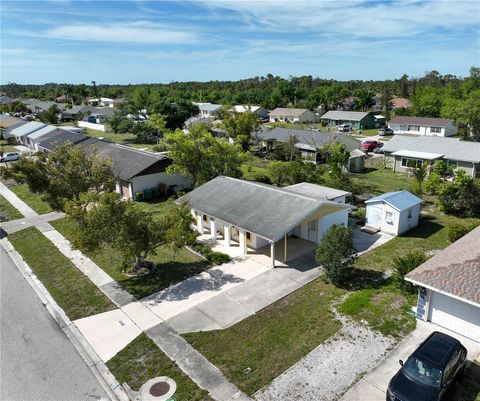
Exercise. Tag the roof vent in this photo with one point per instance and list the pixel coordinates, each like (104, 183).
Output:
(158, 389)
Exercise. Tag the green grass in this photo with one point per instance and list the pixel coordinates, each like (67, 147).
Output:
(124, 139)
(33, 200)
(72, 290)
(173, 265)
(384, 308)
(7, 211)
(273, 339)
(142, 360)
(367, 132)
(5, 147)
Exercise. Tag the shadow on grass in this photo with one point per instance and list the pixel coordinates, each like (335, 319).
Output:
(468, 387)
(163, 276)
(427, 227)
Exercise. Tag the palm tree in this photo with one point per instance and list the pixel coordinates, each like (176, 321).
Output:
(420, 173)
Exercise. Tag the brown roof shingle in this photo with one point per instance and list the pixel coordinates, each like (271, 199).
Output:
(430, 121)
(455, 270)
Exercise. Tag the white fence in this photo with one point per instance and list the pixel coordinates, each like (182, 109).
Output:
(98, 127)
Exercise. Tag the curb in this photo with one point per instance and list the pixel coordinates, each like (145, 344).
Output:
(99, 369)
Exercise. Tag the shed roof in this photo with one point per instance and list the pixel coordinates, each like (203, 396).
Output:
(267, 211)
(454, 270)
(284, 111)
(400, 200)
(451, 148)
(345, 115)
(41, 132)
(26, 129)
(436, 122)
(316, 191)
(418, 155)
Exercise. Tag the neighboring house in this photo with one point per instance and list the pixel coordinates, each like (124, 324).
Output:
(5, 99)
(105, 102)
(293, 115)
(7, 123)
(400, 103)
(32, 140)
(356, 119)
(137, 170)
(393, 212)
(404, 152)
(77, 112)
(50, 141)
(449, 287)
(319, 192)
(20, 132)
(208, 110)
(423, 126)
(38, 106)
(309, 143)
(257, 215)
(260, 112)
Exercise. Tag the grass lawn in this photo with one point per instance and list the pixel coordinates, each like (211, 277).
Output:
(72, 290)
(384, 308)
(5, 147)
(33, 200)
(124, 139)
(273, 339)
(142, 360)
(7, 211)
(173, 265)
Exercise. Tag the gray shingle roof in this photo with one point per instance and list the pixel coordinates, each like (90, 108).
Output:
(316, 191)
(452, 148)
(7, 121)
(344, 115)
(429, 121)
(265, 210)
(284, 111)
(58, 137)
(311, 138)
(400, 200)
(454, 270)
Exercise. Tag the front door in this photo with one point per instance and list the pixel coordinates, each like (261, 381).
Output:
(374, 216)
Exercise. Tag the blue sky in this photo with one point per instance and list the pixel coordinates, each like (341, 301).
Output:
(163, 41)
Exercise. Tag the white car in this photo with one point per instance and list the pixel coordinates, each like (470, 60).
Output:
(344, 128)
(10, 156)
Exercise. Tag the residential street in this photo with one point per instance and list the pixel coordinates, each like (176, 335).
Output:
(38, 362)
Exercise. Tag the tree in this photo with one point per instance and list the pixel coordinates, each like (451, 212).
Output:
(363, 100)
(158, 127)
(175, 113)
(287, 151)
(466, 113)
(280, 173)
(240, 126)
(419, 174)
(119, 124)
(136, 234)
(386, 101)
(336, 254)
(460, 197)
(63, 174)
(50, 116)
(337, 156)
(201, 156)
(402, 265)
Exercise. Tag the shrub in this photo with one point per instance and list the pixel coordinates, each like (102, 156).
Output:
(218, 258)
(405, 264)
(457, 231)
(433, 183)
(203, 249)
(460, 197)
(336, 254)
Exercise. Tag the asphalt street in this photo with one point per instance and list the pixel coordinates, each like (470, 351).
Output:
(37, 361)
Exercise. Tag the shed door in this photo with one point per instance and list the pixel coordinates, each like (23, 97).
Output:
(455, 315)
(125, 186)
(374, 216)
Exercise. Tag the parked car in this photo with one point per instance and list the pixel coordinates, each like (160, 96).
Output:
(430, 371)
(370, 146)
(379, 150)
(384, 131)
(10, 156)
(344, 128)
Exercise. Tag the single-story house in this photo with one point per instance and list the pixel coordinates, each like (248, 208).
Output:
(208, 110)
(319, 192)
(31, 140)
(405, 151)
(293, 115)
(356, 119)
(423, 126)
(8, 123)
(6, 99)
(258, 215)
(22, 130)
(309, 143)
(393, 212)
(137, 170)
(449, 287)
(78, 112)
(105, 102)
(50, 141)
(37, 106)
(260, 112)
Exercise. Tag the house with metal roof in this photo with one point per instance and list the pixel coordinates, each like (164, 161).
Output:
(21, 131)
(358, 120)
(449, 287)
(260, 112)
(393, 212)
(31, 140)
(404, 152)
(208, 110)
(249, 214)
(423, 126)
(292, 115)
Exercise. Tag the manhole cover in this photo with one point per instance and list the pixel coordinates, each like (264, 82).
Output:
(160, 388)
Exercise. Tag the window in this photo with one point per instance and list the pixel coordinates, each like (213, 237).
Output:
(389, 217)
(413, 128)
(205, 218)
(249, 236)
(436, 130)
(409, 213)
(412, 163)
(452, 164)
(312, 225)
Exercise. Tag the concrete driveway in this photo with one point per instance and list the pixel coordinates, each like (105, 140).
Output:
(364, 242)
(373, 385)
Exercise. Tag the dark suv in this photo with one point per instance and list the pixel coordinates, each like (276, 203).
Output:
(430, 371)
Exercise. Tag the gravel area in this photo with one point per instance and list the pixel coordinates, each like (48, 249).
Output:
(332, 368)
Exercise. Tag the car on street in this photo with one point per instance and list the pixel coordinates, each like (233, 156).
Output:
(344, 128)
(10, 156)
(384, 131)
(430, 371)
(370, 145)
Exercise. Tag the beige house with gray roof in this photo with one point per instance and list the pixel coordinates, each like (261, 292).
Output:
(281, 114)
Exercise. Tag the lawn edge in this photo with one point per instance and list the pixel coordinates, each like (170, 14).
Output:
(99, 369)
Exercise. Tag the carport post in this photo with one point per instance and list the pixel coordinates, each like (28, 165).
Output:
(226, 234)
(200, 223)
(272, 253)
(213, 228)
(285, 250)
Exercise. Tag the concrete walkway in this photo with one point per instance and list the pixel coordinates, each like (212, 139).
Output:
(102, 330)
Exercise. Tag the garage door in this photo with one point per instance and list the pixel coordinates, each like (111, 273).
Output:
(455, 315)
